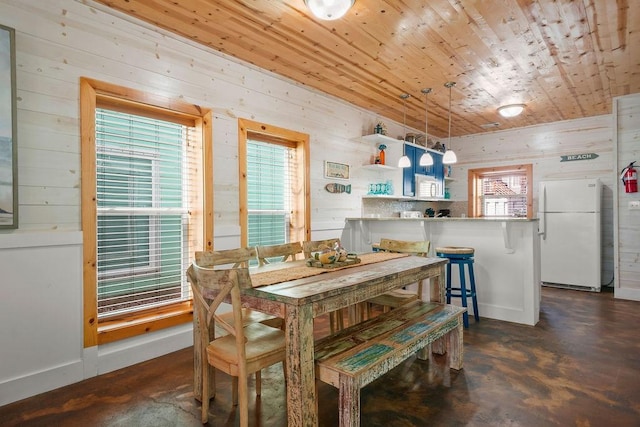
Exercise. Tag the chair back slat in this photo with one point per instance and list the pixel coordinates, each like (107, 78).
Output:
(420, 248)
(212, 287)
(286, 252)
(316, 245)
(239, 257)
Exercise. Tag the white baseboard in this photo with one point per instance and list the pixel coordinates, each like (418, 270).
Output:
(507, 314)
(627, 293)
(29, 385)
(96, 361)
(138, 349)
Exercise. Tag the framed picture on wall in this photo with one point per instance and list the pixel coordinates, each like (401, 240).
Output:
(8, 126)
(336, 170)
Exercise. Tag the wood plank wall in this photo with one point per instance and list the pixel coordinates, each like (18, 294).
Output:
(543, 147)
(627, 113)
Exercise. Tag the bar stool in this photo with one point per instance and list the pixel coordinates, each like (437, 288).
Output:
(461, 256)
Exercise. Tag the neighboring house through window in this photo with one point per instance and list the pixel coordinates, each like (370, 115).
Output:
(274, 185)
(144, 208)
(503, 191)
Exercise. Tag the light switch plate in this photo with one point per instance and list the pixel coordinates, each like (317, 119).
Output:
(634, 205)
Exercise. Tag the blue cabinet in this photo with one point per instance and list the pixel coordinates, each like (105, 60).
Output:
(408, 174)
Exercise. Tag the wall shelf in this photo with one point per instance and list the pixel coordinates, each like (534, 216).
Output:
(378, 138)
(379, 167)
(405, 198)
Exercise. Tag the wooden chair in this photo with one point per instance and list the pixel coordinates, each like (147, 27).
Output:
(315, 245)
(336, 319)
(285, 251)
(237, 258)
(399, 297)
(246, 349)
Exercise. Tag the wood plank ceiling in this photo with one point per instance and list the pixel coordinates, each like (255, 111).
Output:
(563, 59)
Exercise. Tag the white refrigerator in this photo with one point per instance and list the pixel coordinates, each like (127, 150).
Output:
(569, 227)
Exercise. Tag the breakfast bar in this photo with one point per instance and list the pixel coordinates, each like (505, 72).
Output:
(507, 256)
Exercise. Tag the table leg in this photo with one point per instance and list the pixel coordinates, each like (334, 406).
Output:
(302, 405)
(437, 290)
(438, 295)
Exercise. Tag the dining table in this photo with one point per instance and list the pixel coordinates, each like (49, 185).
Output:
(298, 293)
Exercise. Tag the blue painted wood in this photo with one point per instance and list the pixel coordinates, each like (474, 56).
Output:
(358, 355)
(364, 358)
(463, 292)
(356, 349)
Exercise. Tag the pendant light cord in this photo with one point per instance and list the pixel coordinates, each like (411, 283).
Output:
(449, 156)
(450, 85)
(426, 92)
(404, 97)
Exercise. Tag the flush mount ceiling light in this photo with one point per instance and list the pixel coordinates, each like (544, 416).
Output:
(426, 159)
(329, 10)
(511, 110)
(449, 156)
(404, 161)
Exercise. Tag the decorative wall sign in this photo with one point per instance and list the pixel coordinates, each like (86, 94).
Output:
(8, 126)
(336, 170)
(574, 157)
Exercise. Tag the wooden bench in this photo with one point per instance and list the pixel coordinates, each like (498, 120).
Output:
(356, 356)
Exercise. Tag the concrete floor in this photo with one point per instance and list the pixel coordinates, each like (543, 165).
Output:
(580, 366)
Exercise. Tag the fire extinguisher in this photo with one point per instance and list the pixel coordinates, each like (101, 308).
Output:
(629, 178)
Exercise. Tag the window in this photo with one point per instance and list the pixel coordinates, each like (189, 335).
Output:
(144, 209)
(274, 185)
(501, 191)
(270, 170)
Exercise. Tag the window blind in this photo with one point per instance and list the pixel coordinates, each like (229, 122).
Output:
(143, 169)
(270, 171)
(504, 195)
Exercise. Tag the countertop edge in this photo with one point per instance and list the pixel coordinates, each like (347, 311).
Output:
(445, 219)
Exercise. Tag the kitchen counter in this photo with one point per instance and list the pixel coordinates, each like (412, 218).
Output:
(507, 256)
(427, 218)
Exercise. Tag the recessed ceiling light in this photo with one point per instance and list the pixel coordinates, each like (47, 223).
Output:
(511, 110)
(329, 10)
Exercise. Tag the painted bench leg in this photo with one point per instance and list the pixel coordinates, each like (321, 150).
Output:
(349, 403)
(456, 350)
(423, 353)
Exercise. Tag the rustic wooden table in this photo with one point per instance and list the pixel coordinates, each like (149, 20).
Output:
(299, 301)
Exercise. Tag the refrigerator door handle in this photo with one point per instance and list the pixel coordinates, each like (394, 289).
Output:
(542, 210)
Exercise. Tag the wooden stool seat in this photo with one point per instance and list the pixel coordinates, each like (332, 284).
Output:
(461, 256)
(455, 250)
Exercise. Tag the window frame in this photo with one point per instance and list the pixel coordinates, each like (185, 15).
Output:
(301, 215)
(94, 94)
(475, 176)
